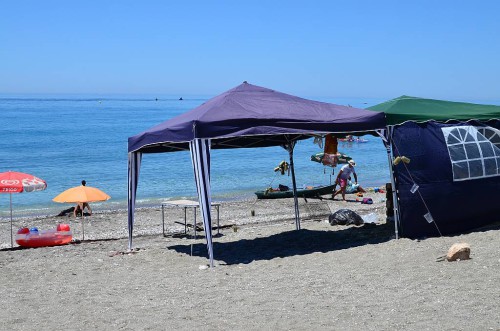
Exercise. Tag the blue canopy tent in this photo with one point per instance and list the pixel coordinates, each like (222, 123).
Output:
(450, 181)
(243, 117)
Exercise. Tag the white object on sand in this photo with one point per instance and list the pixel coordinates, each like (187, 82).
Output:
(370, 218)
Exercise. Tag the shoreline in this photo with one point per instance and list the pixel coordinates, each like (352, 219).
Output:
(112, 224)
(23, 209)
(31, 211)
(51, 209)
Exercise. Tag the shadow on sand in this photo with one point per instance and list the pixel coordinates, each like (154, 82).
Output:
(290, 243)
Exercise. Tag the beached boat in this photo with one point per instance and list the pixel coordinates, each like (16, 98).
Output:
(353, 140)
(308, 192)
(40, 238)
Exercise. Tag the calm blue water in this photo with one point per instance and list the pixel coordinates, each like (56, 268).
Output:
(66, 138)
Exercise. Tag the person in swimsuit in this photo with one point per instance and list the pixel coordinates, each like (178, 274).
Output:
(80, 207)
(343, 177)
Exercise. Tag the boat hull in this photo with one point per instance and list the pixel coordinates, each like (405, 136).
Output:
(313, 192)
(358, 140)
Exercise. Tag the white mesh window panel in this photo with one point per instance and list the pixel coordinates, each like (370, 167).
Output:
(474, 151)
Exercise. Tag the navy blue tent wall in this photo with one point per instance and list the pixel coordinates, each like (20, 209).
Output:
(461, 192)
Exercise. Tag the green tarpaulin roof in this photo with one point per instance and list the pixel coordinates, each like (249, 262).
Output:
(407, 108)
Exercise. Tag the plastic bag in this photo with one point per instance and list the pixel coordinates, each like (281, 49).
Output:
(345, 217)
(370, 218)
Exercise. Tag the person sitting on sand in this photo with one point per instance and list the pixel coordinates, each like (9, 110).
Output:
(353, 188)
(80, 207)
(343, 177)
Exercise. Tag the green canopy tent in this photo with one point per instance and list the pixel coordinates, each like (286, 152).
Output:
(406, 108)
(451, 179)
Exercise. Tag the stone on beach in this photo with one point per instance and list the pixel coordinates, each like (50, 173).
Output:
(458, 251)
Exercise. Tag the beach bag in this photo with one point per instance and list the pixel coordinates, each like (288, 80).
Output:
(367, 201)
(345, 217)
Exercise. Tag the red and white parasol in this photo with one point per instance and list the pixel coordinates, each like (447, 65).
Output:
(18, 182)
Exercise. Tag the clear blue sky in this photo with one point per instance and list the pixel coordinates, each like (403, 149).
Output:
(446, 49)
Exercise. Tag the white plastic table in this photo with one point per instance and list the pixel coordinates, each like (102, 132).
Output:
(186, 204)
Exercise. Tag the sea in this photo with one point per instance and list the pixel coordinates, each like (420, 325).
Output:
(65, 139)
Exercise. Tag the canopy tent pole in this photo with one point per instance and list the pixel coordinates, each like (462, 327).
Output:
(386, 135)
(388, 147)
(200, 156)
(289, 147)
(134, 165)
(83, 227)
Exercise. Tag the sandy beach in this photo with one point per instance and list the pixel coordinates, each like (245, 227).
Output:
(267, 275)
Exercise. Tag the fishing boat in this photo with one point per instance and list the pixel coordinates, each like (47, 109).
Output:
(355, 140)
(351, 139)
(40, 238)
(307, 192)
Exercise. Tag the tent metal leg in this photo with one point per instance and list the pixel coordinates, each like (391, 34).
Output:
(134, 164)
(194, 223)
(200, 156)
(294, 183)
(393, 182)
